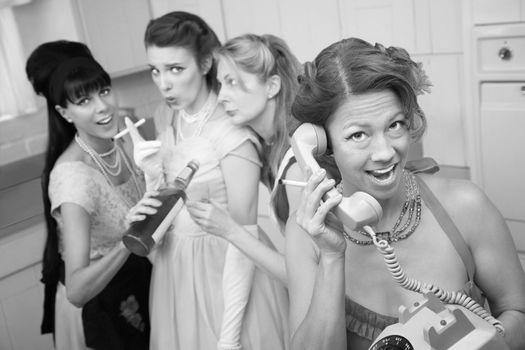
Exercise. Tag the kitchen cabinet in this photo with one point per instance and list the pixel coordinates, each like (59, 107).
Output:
(498, 121)
(114, 31)
(419, 26)
(303, 24)
(501, 11)
(21, 293)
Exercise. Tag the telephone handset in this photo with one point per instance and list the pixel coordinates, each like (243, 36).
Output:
(356, 211)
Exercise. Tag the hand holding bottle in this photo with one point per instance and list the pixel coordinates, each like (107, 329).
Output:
(211, 217)
(146, 206)
(153, 215)
(147, 157)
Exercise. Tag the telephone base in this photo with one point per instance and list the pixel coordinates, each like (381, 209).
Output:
(431, 325)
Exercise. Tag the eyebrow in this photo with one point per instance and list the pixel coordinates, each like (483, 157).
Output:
(167, 64)
(363, 123)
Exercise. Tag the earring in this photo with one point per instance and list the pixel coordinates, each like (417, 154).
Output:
(270, 96)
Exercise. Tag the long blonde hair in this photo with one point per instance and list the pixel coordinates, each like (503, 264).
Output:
(265, 56)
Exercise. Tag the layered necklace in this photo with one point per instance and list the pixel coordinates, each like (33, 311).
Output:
(110, 169)
(201, 117)
(405, 224)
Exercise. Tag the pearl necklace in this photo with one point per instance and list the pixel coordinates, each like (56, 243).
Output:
(106, 170)
(412, 204)
(202, 116)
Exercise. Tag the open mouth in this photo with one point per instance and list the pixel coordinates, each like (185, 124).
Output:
(231, 113)
(171, 100)
(383, 176)
(106, 120)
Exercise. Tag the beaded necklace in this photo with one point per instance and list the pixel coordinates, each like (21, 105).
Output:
(107, 170)
(412, 204)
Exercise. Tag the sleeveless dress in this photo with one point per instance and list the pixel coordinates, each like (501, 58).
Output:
(78, 183)
(363, 325)
(186, 289)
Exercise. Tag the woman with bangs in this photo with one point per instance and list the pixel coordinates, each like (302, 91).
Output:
(96, 293)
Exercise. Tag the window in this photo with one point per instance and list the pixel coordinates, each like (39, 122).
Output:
(17, 96)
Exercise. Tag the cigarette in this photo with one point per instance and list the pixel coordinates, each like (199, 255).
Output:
(126, 130)
(293, 183)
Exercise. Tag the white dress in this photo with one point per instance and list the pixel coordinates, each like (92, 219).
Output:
(186, 288)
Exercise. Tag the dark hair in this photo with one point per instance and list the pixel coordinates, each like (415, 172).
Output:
(186, 30)
(354, 66)
(45, 63)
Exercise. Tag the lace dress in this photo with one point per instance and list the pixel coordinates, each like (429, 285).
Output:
(76, 182)
(186, 288)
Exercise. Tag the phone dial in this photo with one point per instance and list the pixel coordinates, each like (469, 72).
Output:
(441, 320)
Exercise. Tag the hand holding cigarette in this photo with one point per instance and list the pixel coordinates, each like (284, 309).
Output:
(146, 155)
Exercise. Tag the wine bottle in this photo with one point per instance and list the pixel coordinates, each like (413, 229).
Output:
(142, 236)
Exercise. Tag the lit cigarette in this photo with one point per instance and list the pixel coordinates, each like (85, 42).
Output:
(293, 183)
(126, 130)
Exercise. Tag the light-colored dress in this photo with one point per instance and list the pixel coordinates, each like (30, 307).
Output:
(78, 183)
(186, 287)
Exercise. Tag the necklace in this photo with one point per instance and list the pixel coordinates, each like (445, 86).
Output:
(202, 116)
(412, 204)
(108, 171)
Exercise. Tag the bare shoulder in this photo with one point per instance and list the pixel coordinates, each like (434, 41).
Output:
(73, 153)
(456, 194)
(466, 203)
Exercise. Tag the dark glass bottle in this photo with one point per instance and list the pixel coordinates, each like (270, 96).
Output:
(142, 236)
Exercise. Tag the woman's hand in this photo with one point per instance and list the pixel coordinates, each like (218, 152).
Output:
(211, 217)
(146, 206)
(146, 155)
(314, 216)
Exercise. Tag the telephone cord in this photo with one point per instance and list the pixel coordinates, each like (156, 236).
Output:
(414, 285)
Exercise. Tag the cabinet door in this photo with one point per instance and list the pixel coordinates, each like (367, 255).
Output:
(303, 24)
(501, 11)
(114, 30)
(502, 144)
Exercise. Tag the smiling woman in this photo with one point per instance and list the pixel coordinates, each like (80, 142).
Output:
(89, 183)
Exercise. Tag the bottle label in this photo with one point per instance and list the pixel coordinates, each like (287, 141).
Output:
(166, 222)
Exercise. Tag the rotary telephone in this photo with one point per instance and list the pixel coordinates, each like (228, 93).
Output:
(431, 323)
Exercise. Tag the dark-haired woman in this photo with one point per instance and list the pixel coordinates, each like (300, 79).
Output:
(446, 232)
(205, 293)
(89, 185)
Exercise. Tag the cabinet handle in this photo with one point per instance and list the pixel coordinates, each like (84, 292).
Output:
(523, 90)
(505, 54)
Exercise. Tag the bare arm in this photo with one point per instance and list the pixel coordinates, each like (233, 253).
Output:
(85, 279)
(315, 258)
(265, 257)
(493, 249)
(316, 289)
